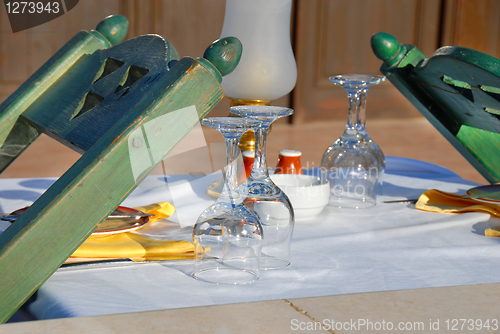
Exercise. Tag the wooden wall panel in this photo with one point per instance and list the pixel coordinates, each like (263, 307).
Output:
(330, 37)
(472, 24)
(22, 53)
(333, 37)
(190, 25)
(13, 51)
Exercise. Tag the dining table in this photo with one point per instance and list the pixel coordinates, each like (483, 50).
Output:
(388, 264)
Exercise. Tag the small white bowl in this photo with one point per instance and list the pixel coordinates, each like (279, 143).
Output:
(306, 193)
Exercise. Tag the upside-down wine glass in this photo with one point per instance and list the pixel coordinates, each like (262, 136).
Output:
(227, 235)
(354, 164)
(261, 195)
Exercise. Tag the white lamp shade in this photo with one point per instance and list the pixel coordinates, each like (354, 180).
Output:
(267, 69)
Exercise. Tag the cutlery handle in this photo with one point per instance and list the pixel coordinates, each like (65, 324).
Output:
(411, 201)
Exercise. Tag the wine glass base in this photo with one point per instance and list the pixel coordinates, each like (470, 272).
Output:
(272, 263)
(351, 202)
(226, 275)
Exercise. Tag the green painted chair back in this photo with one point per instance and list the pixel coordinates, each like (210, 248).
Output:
(457, 89)
(124, 107)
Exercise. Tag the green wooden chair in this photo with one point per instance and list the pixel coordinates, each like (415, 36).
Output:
(124, 106)
(457, 89)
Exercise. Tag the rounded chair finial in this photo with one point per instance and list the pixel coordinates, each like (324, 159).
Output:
(386, 47)
(114, 28)
(224, 54)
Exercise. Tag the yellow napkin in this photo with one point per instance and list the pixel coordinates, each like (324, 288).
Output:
(136, 247)
(161, 210)
(439, 201)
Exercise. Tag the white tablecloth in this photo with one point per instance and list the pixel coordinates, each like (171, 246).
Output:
(387, 247)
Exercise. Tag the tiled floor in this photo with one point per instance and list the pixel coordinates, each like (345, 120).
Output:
(431, 310)
(405, 137)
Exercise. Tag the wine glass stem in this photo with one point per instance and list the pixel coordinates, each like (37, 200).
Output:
(229, 188)
(352, 111)
(361, 109)
(259, 170)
